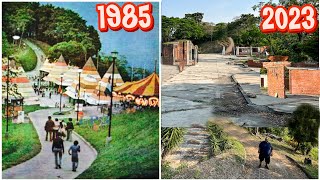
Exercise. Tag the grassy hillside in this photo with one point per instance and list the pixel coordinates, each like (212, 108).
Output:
(134, 149)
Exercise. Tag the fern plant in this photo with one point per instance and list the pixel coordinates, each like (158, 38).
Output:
(171, 137)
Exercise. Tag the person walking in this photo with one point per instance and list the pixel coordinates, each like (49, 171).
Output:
(62, 129)
(58, 150)
(73, 151)
(265, 151)
(69, 129)
(56, 128)
(49, 128)
(50, 95)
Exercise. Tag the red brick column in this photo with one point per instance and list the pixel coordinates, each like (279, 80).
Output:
(276, 81)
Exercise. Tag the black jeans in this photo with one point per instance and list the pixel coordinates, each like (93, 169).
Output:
(58, 160)
(50, 135)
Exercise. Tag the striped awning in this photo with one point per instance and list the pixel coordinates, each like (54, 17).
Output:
(148, 86)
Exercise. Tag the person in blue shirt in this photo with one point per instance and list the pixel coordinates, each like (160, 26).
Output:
(265, 151)
(73, 151)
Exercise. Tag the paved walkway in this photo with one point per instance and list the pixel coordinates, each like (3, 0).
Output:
(187, 96)
(42, 166)
(280, 166)
(40, 58)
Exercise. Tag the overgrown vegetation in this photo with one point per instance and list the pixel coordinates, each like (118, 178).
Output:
(23, 142)
(218, 139)
(227, 147)
(134, 149)
(304, 126)
(263, 71)
(171, 137)
(300, 138)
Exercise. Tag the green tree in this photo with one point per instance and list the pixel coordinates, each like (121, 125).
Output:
(197, 17)
(21, 19)
(7, 48)
(72, 51)
(304, 125)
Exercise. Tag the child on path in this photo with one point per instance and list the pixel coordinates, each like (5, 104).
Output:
(74, 149)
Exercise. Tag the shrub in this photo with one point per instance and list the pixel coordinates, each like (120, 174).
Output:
(304, 125)
(263, 71)
(218, 139)
(170, 138)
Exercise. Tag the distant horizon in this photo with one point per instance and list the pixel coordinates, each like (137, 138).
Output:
(140, 48)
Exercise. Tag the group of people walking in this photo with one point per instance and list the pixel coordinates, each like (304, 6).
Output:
(58, 131)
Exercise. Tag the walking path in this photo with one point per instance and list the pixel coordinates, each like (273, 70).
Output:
(187, 96)
(194, 148)
(42, 166)
(40, 58)
(280, 166)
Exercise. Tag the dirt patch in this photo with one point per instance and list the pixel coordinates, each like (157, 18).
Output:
(280, 166)
(232, 104)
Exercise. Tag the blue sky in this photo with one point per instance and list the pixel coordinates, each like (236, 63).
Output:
(140, 48)
(214, 10)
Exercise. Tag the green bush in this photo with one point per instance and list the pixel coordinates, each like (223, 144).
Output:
(263, 71)
(27, 58)
(314, 153)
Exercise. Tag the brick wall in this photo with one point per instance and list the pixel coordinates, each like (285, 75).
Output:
(276, 85)
(167, 54)
(270, 64)
(252, 63)
(304, 81)
(276, 78)
(278, 58)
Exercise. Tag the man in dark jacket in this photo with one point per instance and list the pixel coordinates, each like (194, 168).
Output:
(58, 149)
(69, 129)
(49, 128)
(265, 151)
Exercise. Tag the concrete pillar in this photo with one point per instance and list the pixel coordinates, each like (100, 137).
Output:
(250, 50)
(224, 50)
(237, 50)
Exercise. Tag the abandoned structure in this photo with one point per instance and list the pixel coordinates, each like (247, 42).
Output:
(181, 53)
(299, 81)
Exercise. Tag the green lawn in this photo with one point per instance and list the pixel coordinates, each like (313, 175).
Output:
(26, 57)
(134, 149)
(23, 142)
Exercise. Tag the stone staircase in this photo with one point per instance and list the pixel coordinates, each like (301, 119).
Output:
(194, 148)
